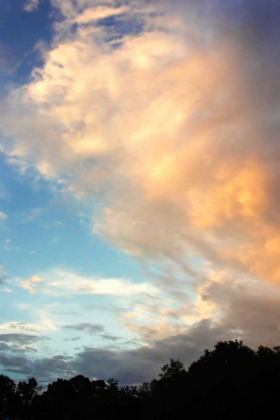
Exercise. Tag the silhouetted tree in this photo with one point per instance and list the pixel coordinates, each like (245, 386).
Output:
(7, 397)
(230, 382)
(28, 390)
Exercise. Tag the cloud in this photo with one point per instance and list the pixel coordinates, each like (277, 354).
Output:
(139, 364)
(133, 366)
(8, 65)
(99, 12)
(4, 195)
(66, 283)
(110, 337)
(183, 184)
(43, 322)
(2, 275)
(144, 363)
(22, 339)
(19, 343)
(31, 5)
(21, 326)
(246, 310)
(45, 369)
(36, 279)
(89, 328)
(3, 215)
(31, 284)
(25, 285)
(173, 129)
(92, 329)
(34, 214)
(6, 290)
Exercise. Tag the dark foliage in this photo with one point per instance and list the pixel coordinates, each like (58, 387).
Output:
(230, 382)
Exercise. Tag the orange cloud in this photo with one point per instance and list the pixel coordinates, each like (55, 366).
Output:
(167, 132)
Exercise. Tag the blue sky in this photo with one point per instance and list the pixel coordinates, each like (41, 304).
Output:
(139, 183)
(44, 230)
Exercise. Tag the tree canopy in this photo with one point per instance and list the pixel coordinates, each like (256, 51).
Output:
(230, 382)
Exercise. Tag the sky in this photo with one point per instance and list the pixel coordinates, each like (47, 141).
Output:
(139, 183)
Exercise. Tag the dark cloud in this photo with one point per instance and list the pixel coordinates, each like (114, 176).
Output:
(4, 347)
(16, 364)
(251, 315)
(16, 344)
(110, 337)
(3, 277)
(130, 366)
(73, 339)
(87, 327)
(251, 309)
(22, 326)
(133, 366)
(21, 339)
(144, 363)
(45, 370)
(91, 329)
(49, 369)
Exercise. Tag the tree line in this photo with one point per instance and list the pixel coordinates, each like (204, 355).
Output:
(230, 382)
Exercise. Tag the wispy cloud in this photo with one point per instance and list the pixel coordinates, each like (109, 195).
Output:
(87, 327)
(31, 5)
(4, 195)
(6, 290)
(32, 215)
(99, 12)
(31, 284)
(3, 215)
(66, 283)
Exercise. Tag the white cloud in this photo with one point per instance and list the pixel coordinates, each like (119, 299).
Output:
(100, 12)
(31, 5)
(6, 290)
(63, 283)
(3, 215)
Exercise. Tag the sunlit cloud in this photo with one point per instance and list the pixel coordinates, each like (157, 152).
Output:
(31, 284)
(36, 279)
(99, 12)
(66, 283)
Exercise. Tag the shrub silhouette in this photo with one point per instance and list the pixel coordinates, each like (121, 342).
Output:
(230, 382)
